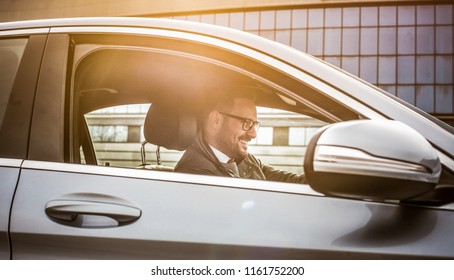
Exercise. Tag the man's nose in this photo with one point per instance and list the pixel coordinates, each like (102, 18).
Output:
(252, 132)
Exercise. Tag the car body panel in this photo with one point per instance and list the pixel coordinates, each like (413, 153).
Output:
(50, 102)
(221, 219)
(9, 174)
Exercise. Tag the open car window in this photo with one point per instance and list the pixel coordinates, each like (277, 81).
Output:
(117, 134)
(114, 85)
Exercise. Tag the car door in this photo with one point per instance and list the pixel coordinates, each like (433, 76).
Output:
(79, 212)
(20, 57)
(69, 210)
(9, 172)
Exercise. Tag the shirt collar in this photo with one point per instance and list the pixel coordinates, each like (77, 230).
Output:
(220, 155)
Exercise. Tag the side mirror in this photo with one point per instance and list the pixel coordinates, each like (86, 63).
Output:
(371, 159)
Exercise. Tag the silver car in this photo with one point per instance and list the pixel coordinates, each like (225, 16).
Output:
(380, 172)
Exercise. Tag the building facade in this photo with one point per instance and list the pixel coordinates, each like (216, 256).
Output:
(406, 50)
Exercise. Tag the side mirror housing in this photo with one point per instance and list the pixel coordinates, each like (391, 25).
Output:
(371, 159)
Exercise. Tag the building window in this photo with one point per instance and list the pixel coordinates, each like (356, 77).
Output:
(333, 41)
(387, 70)
(369, 40)
(109, 133)
(369, 16)
(425, 68)
(443, 95)
(264, 136)
(425, 98)
(300, 136)
(351, 17)
(406, 40)
(406, 69)
(281, 136)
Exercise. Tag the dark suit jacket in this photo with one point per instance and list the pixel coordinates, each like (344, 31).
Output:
(200, 159)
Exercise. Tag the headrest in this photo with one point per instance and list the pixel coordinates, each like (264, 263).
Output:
(170, 127)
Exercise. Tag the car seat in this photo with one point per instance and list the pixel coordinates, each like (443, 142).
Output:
(170, 127)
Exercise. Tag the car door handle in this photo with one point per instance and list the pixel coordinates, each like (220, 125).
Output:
(68, 207)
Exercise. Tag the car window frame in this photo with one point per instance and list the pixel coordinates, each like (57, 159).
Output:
(47, 141)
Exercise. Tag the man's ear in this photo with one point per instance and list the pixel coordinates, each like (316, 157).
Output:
(215, 120)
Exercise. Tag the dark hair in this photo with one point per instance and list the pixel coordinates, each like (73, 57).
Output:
(223, 100)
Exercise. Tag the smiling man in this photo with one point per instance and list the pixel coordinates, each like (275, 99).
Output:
(221, 145)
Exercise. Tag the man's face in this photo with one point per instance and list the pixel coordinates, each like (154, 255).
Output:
(233, 139)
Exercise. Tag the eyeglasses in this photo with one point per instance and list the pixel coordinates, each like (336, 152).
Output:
(248, 124)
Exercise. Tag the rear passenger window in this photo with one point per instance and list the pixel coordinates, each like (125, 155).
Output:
(11, 51)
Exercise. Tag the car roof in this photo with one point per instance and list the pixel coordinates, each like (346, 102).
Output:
(92, 21)
(161, 23)
(277, 50)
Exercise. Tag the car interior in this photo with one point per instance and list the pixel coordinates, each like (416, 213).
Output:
(177, 85)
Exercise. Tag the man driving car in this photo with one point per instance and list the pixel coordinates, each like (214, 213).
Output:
(220, 148)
